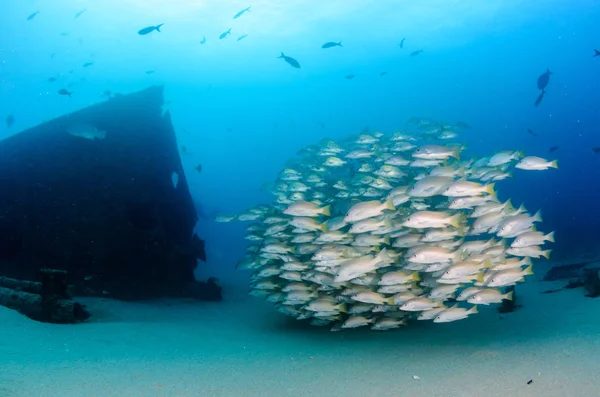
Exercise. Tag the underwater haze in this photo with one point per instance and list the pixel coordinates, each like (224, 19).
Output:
(249, 84)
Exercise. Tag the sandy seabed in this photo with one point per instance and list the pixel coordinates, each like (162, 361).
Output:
(242, 347)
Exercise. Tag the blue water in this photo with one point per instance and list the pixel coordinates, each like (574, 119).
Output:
(242, 112)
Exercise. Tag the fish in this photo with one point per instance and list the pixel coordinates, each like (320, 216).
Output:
(596, 150)
(64, 91)
(291, 61)
(32, 15)
(596, 53)
(242, 12)
(203, 40)
(382, 73)
(544, 79)
(10, 120)
(531, 132)
(85, 131)
(415, 53)
(553, 149)
(242, 37)
(225, 34)
(51, 79)
(533, 163)
(79, 13)
(540, 98)
(453, 314)
(331, 44)
(149, 29)
(198, 168)
(87, 64)
(149, 71)
(402, 42)
(349, 77)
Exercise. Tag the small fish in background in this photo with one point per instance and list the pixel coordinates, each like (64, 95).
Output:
(242, 37)
(198, 168)
(175, 179)
(415, 53)
(540, 98)
(291, 61)
(86, 131)
(533, 163)
(382, 74)
(544, 79)
(88, 64)
(462, 124)
(64, 91)
(52, 55)
(31, 16)
(553, 149)
(331, 44)
(149, 29)
(10, 120)
(203, 40)
(79, 13)
(349, 77)
(596, 150)
(225, 34)
(183, 149)
(64, 34)
(242, 12)
(106, 93)
(402, 42)
(322, 125)
(51, 79)
(531, 132)
(596, 53)
(149, 71)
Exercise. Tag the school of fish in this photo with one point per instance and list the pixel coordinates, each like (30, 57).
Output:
(381, 230)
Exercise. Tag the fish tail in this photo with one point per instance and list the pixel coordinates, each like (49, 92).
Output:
(386, 240)
(323, 227)
(457, 220)
(389, 204)
(508, 296)
(281, 56)
(546, 254)
(473, 310)
(415, 276)
(480, 277)
(340, 44)
(548, 71)
(550, 237)
(554, 164)
(490, 189)
(326, 210)
(529, 270)
(157, 27)
(538, 216)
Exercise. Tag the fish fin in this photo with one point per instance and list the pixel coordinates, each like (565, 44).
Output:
(389, 204)
(548, 71)
(480, 277)
(473, 310)
(456, 152)
(157, 27)
(454, 306)
(323, 227)
(457, 220)
(487, 264)
(547, 253)
(343, 308)
(508, 206)
(340, 44)
(520, 154)
(508, 296)
(415, 276)
(550, 237)
(529, 270)
(390, 301)
(489, 189)
(554, 164)
(386, 240)
(538, 216)
(281, 56)
(326, 210)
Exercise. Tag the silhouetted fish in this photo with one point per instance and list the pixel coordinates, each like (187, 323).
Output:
(10, 120)
(543, 80)
(52, 79)
(402, 42)
(52, 55)
(290, 60)
(553, 149)
(63, 91)
(149, 29)
(149, 71)
(596, 53)
(382, 73)
(331, 44)
(415, 53)
(31, 16)
(462, 124)
(64, 34)
(540, 98)
(78, 14)
(531, 132)
(596, 150)
(225, 34)
(242, 37)
(349, 77)
(322, 125)
(203, 40)
(88, 64)
(199, 168)
(240, 13)
(106, 93)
